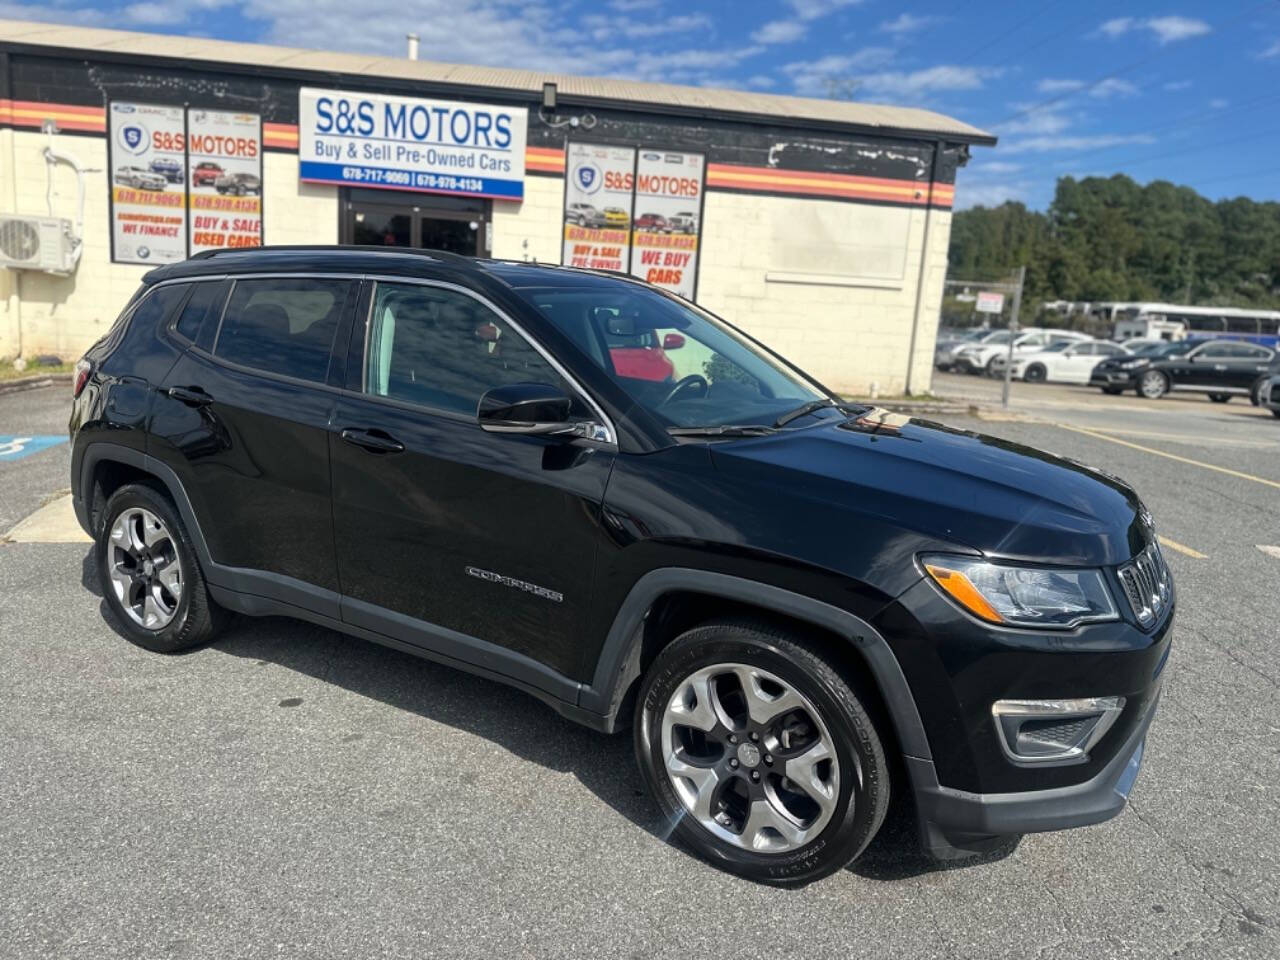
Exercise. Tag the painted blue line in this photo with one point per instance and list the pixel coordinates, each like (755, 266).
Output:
(19, 446)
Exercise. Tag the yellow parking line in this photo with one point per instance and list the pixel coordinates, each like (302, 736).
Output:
(1171, 456)
(1182, 548)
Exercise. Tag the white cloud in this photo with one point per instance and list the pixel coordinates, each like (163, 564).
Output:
(761, 81)
(1271, 51)
(971, 194)
(1172, 29)
(917, 83)
(1173, 86)
(1113, 87)
(607, 28)
(1117, 27)
(1218, 103)
(1051, 85)
(780, 31)
(628, 6)
(813, 9)
(906, 23)
(1052, 144)
(815, 77)
(1038, 121)
(997, 166)
(1166, 30)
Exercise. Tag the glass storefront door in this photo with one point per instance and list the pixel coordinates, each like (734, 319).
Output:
(388, 218)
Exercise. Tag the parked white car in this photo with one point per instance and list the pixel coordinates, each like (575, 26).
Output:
(978, 357)
(1065, 361)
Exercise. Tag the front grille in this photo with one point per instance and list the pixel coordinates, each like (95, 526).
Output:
(1147, 585)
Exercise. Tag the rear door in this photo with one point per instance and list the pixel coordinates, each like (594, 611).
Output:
(1246, 364)
(243, 420)
(449, 537)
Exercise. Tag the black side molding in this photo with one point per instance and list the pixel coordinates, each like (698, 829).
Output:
(618, 664)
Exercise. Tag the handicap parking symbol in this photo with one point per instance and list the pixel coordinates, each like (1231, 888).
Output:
(20, 447)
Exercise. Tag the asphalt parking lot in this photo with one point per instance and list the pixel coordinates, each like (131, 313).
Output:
(291, 792)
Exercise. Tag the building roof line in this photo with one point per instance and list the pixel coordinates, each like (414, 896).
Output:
(737, 105)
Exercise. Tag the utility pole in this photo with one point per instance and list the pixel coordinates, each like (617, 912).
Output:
(1013, 333)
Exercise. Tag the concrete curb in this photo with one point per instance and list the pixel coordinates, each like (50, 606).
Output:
(33, 382)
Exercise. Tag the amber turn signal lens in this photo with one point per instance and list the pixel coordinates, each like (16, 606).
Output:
(963, 592)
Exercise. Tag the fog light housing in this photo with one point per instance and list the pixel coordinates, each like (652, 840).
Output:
(1053, 731)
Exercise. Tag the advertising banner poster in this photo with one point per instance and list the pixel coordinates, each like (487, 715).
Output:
(668, 214)
(148, 184)
(407, 143)
(597, 206)
(224, 174)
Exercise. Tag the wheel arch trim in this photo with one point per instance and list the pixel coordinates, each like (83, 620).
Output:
(263, 583)
(618, 663)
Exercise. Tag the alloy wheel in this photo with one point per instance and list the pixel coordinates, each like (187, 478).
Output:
(145, 570)
(750, 758)
(1153, 385)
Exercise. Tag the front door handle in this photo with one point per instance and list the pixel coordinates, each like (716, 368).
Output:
(191, 396)
(373, 440)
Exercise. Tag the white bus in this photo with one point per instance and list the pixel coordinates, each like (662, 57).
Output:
(1172, 321)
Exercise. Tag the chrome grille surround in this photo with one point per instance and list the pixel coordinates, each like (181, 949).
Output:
(1147, 584)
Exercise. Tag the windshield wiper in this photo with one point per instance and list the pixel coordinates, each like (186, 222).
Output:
(813, 406)
(724, 430)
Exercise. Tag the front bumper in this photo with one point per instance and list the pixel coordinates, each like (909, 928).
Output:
(954, 823)
(1112, 378)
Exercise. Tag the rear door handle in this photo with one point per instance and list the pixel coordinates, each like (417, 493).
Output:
(374, 440)
(191, 396)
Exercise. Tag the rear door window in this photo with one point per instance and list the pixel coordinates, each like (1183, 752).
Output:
(283, 325)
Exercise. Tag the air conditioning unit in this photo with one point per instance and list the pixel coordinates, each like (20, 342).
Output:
(37, 243)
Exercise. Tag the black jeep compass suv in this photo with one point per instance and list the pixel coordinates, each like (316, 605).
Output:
(801, 608)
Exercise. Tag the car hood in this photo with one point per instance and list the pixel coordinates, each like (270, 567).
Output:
(959, 488)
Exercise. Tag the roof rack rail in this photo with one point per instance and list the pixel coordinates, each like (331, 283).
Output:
(325, 247)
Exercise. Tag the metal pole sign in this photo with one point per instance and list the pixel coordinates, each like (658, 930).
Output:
(988, 302)
(1013, 333)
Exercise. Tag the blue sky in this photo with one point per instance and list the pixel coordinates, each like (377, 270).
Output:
(1178, 91)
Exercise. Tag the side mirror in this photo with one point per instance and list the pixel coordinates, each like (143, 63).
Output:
(672, 341)
(532, 408)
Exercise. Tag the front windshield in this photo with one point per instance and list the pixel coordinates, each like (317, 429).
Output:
(1000, 336)
(681, 364)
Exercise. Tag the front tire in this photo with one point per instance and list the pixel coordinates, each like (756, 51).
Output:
(1036, 373)
(149, 573)
(761, 756)
(1153, 385)
(1220, 397)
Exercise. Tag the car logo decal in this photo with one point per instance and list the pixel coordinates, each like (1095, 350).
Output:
(526, 586)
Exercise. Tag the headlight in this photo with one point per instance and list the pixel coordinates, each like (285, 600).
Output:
(1023, 596)
(1130, 364)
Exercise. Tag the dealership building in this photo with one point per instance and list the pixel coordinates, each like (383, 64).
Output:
(820, 227)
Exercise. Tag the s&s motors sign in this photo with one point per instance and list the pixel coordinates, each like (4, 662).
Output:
(407, 143)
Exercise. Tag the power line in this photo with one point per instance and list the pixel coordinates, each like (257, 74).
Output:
(1200, 149)
(1189, 120)
(1116, 74)
(1037, 13)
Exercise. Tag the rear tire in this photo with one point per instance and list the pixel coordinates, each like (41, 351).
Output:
(787, 778)
(149, 573)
